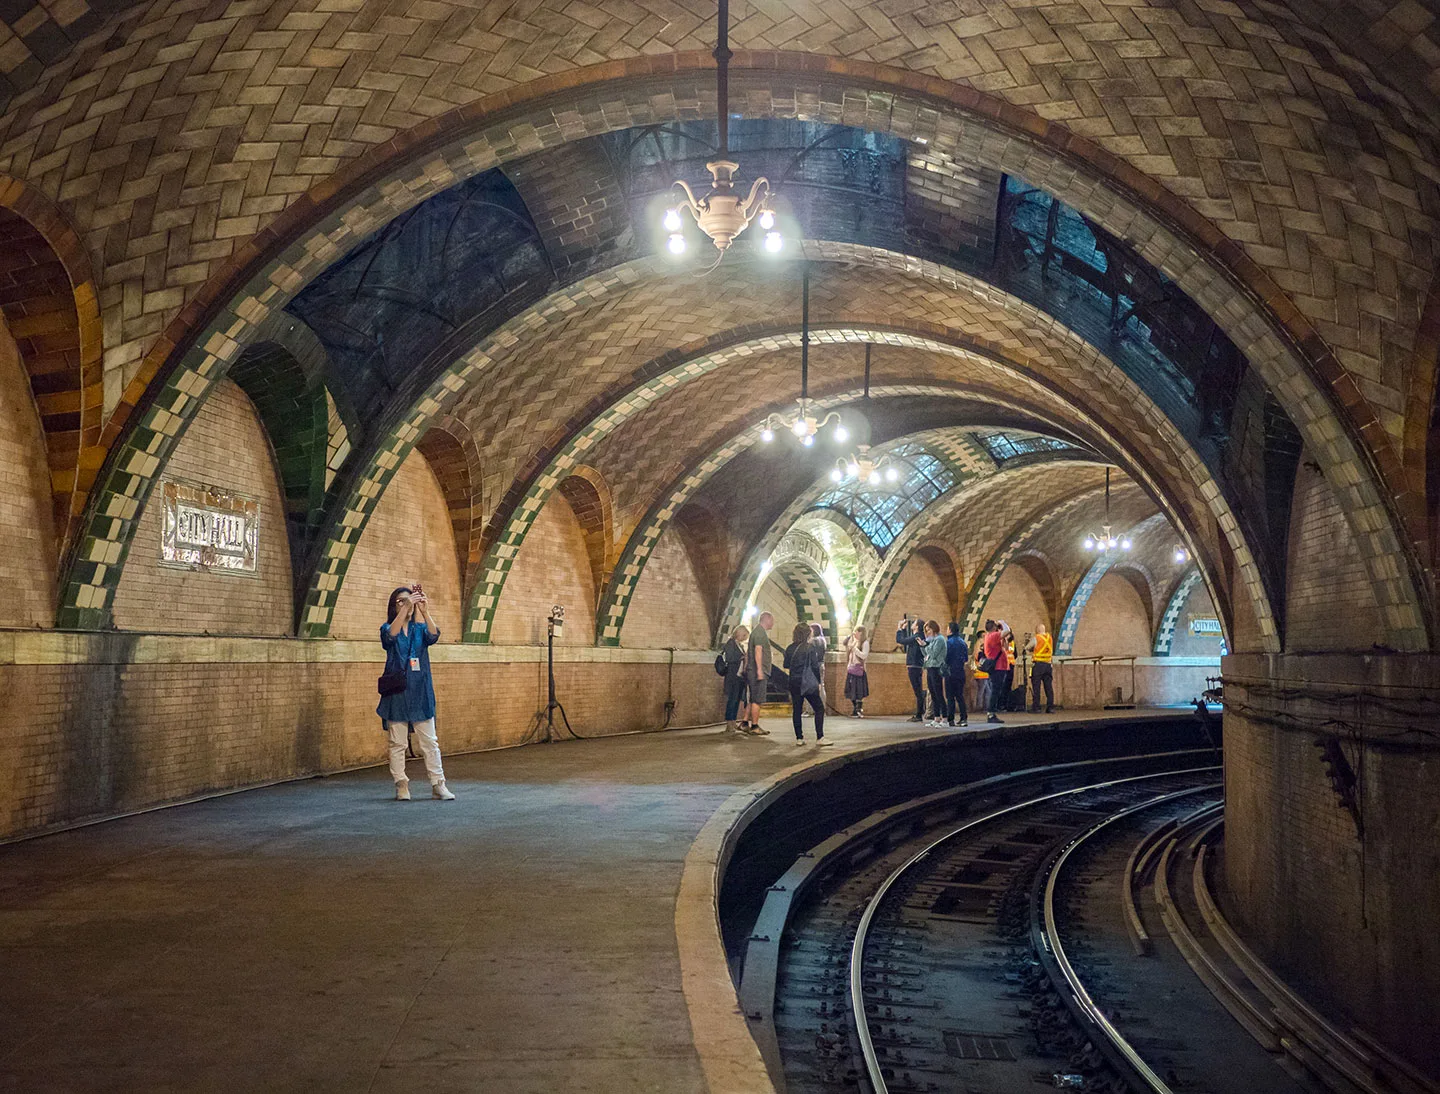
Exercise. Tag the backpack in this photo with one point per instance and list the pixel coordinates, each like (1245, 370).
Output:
(721, 668)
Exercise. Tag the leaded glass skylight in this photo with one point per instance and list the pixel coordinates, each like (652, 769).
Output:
(883, 511)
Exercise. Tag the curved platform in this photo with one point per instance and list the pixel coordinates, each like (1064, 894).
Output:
(318, 936)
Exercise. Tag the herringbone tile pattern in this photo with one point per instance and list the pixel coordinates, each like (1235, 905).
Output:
(173, 148)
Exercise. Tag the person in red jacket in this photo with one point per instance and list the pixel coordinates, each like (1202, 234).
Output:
(998, 659)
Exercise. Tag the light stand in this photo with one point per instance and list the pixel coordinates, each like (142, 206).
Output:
(554, 627)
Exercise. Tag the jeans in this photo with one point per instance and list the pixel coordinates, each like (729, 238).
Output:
(935, 680)
(1042, 672)
(955, 699)
(797, 702)
(917, 676)
(999, 690)
(429, 748)
(736, 691)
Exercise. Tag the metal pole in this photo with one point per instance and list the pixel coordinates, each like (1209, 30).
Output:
(805, 332)
(722, 77)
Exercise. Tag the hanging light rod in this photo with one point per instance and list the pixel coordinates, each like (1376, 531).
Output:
(861, 465)
(721, 213)
(804, 424)
(1106, 540)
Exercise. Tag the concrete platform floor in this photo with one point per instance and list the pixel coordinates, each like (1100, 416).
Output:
(318, 936)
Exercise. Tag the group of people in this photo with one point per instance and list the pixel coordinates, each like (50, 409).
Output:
(747, 660)
(938, 663)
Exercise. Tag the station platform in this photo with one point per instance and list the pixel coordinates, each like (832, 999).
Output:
(547, 931)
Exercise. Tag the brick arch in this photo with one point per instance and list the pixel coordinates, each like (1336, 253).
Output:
(701, 529)
(1142, 581)
(1165, 630)
(510, 521)
(589, 496)
(49, 301)
(804, 577)
(1042, 573)
(1205, 262)
(292, 409)
(947, 568)
(450, 451)
(1422, 433)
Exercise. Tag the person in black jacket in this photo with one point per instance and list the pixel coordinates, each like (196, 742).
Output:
(957, 666)
(735, 686)
(908, 637)
(805, 661)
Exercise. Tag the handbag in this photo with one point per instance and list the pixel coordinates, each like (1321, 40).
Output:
(857, 669)
(393, 683)
(809, 682)
(987, 665)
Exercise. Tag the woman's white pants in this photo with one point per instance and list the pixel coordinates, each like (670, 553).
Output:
(429, 748)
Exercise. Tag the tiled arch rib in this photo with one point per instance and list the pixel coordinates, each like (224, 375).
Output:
(1198, 97)
(1070, 621)
(1105, 185)
(813, 601)
(970, 497)
(1006, 325)
(964, 458)
(1165, 632)
(51, 306)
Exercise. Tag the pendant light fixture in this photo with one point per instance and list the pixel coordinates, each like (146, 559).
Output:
(860, 465)
(1106, 541)
(805, 425)
(722, 214)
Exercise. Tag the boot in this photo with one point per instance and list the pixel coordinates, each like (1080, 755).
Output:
(441, 792)
(402, 790)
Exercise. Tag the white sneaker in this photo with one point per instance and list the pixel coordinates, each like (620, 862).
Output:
(402, 791)
(824, 742)
(441, 792)
(799, 741)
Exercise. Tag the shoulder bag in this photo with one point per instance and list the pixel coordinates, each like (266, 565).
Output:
(393, 683)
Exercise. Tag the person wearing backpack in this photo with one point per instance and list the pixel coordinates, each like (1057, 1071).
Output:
(730, 663)
(805, 661)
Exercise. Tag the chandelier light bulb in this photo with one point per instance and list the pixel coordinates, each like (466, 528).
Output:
(767, 221)
(891, 475)
(841, 434)
(1124, 545)
(836, 475)
(874, 478)
(852, 469)
(1089, 543)
(767, 434)
(801, 427)
(773, 242)
(807, 440)
(676, 244)
(672, 220)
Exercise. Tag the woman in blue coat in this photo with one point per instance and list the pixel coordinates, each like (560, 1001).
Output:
(407, 636)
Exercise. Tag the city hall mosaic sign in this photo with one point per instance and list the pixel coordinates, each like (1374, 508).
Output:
(1203, 625)
(206, 528)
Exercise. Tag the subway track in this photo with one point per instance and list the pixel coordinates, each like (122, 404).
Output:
(1049, 929)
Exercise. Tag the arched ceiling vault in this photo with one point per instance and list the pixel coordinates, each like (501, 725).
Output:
(1281, 335)
(600, 368)
(980, 519)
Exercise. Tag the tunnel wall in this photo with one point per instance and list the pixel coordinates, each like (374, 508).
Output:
(116, 722)
(1344, 910)
(26, 522)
